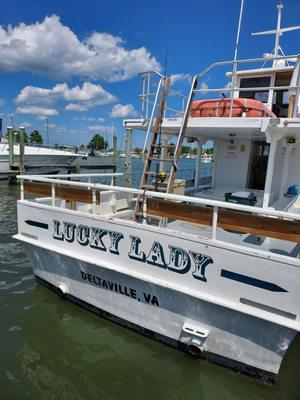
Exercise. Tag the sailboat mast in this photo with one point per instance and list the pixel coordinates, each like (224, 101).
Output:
(47, 125)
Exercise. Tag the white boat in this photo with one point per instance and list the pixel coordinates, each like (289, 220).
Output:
(36, 156)
(216, 273)
(206, 158)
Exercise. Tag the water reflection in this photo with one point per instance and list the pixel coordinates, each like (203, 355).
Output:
(69, 353)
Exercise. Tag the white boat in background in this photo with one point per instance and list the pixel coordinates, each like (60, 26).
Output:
(206, 158)
(42, 157)
(215, 273)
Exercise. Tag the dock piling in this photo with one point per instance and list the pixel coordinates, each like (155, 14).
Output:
(115, 149)
(10, 134)
(21, 147)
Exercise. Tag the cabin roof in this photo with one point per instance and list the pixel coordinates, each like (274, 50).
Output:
(262, 71)
(223, 128)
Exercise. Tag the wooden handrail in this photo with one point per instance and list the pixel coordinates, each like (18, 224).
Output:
(82, 195)
(233, 220)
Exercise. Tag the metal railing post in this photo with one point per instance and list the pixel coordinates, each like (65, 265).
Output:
(144, 212)
(152, 116)
(148, 91)
(94, 200)
(53, 194)
(22, 189)
(214, 223)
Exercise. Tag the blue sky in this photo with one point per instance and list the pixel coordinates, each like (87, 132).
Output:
(78, 66)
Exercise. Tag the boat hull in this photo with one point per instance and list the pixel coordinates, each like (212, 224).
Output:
(35, 156)
(242, 343)
(123, 271)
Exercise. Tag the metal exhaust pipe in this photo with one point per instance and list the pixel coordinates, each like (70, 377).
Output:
(194, 348)
(62, 290)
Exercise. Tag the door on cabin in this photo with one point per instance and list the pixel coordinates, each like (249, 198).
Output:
(258, 165)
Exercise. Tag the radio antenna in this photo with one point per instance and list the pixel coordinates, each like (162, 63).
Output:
(279, 31)
(234, 71)
(166, 62)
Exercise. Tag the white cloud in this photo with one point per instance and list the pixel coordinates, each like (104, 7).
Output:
(122, 111)
(40, 111)
(50, 126)
(25, 124)
(97, 128)
(101, 119)
(32, 95)
(76, 107)
(52, 49)
(2, 102)
(80, 98)
(179, 77)
(204, 87)
(84, 119)
(89, 93)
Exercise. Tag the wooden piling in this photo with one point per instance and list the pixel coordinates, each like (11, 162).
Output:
(22, 150)
(10, 134)
(115, 149)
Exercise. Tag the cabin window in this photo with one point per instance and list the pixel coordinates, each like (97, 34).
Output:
(258, 81)
(281, 97)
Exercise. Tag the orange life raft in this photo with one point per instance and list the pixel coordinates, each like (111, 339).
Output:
(221, 108)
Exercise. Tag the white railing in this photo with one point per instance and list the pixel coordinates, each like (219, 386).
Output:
(235, 88)
(148, 81)
(144, 194)
(149, 98)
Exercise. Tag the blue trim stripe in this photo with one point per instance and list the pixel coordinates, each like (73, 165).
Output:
(37, 224)
(247, 280)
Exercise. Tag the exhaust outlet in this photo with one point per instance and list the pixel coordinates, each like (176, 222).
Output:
(194, 348)
(62, 290)
(195, 337)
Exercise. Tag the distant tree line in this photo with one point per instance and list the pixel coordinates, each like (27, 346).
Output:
(33, 138)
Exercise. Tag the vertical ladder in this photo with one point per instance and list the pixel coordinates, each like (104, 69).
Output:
(173, 160)
(153, 153)
(182, 133)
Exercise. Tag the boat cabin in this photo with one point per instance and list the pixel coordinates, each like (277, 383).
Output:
(258, 154)
(278, 76)
(254, 168)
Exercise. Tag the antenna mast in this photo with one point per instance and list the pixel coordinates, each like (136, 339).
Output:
(166, 62)
(233, 80)
(278, 32)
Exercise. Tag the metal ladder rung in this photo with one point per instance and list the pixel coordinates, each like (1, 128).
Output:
(152, 173)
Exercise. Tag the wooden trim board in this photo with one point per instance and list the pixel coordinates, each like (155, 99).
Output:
(227, 219)
(82, 195)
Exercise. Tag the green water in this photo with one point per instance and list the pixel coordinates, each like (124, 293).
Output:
(52, 349)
